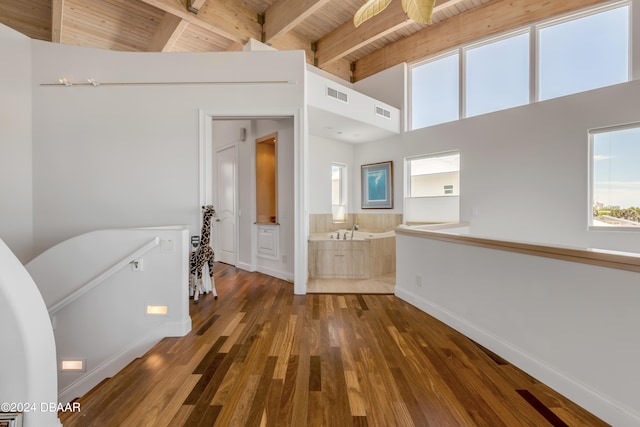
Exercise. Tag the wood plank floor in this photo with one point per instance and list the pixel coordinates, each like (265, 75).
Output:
(261, 356)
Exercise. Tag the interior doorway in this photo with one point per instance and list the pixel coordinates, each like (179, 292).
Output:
(217, 134)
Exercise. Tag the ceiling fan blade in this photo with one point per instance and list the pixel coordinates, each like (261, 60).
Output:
(419, 10)
(368, 10)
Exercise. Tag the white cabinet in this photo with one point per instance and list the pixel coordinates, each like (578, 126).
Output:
(268, 241)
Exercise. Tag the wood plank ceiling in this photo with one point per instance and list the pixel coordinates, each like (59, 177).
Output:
(322, 28)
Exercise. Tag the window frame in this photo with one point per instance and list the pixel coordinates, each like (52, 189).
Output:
(583, 13)
(343, 189)
(424, 61)
(407, 172)
(533, 29)
(590, 171)
(485, 42)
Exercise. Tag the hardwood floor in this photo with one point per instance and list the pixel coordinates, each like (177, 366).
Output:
(259, 355)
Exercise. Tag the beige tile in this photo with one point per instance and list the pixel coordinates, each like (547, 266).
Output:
(376, 285)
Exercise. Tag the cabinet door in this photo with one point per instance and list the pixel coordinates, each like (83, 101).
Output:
(345, 263)
(268, 241)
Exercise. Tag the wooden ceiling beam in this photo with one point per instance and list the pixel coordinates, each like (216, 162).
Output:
(284, 15)
(489, 19)
(169, 31)
(294, 41)
(231, 20)
(347, 38)
(57, 7)
(194, 6)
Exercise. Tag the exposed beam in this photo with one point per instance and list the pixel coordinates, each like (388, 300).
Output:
(294, 41)
(489, 19)
(57, 7)
(283, 15)
(169, 31)
(194, 6)
(340, 68)
(225, 18)
(347, 38)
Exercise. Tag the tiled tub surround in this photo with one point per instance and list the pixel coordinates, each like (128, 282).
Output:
(367, 255)
(376, 223)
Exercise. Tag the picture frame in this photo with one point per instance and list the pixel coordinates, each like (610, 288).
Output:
(377, 185)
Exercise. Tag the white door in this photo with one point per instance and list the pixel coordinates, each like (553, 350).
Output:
(225, 222)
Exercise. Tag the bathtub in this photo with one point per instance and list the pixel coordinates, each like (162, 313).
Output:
(364, 256)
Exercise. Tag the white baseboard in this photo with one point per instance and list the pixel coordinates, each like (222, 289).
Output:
(119, 360)
(246, 267)
(283, 275)
(607, 409)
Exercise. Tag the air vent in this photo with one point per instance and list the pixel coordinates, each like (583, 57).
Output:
(383, 113)
(340, 96)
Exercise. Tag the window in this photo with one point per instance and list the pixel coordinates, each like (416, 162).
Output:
(434, 92)
(497, 75)
(432, 185)
(434, 175)
(615, 177)
(585, 53)
(339, 192)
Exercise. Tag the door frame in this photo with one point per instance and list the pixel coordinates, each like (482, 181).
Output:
(301, 181)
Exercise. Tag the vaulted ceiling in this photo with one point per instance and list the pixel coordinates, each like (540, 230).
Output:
(322, 28)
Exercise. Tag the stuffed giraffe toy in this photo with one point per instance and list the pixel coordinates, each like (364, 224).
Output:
(204, 254)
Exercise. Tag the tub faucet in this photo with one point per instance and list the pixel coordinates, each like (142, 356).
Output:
(355, 227)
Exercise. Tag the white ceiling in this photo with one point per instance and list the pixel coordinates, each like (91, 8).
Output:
(329, 125)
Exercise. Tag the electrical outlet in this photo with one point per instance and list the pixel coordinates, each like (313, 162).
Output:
(419, 280)
(137, 264)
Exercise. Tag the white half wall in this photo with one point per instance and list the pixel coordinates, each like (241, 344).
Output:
(28, 356)
(570, 325)
(16, 189)
(106, 324)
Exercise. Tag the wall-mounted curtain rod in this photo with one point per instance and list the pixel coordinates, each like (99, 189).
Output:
(96, 83)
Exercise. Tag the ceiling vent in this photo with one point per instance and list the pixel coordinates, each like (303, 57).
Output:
(340, 96)
(383, 113)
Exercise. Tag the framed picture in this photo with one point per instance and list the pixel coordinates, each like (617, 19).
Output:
(377, 185)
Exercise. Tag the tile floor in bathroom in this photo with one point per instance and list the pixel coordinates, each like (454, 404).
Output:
(376, 285)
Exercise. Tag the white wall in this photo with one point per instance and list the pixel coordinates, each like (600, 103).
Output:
(16, 190)
(323, 152)
(28, 356)
(524, 171)
(128, 155)
(387, 86)
(567, 324)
